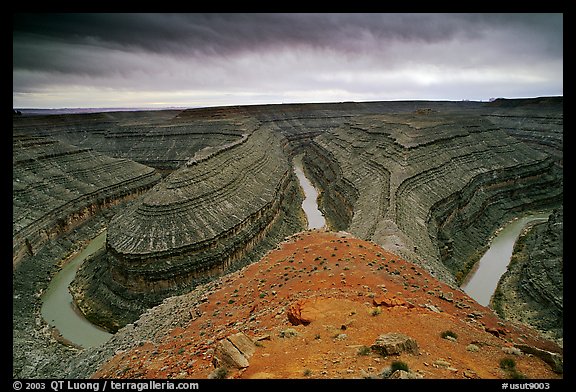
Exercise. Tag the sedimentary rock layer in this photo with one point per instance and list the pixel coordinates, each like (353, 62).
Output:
(429, 185)
(194, 207)
(199, 221)
(538, 122)
(164, 140)
(531, 291)
(57, 186)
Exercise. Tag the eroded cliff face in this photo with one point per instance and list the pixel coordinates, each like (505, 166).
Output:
(532, 290)
(202, 219)
(432, 186)
(57, 186)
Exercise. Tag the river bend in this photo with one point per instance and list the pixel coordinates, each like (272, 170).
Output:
(483, 280)
(58, 308)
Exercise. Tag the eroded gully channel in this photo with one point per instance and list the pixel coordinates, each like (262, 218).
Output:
(484, 278)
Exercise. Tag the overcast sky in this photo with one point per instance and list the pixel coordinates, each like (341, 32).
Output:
(159, 60)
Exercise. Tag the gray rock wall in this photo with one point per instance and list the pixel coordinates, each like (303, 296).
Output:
(532, 289)
(197, 223)
(432, 187)
(57, 186)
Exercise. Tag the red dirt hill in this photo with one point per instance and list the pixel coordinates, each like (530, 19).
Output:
(314, 307)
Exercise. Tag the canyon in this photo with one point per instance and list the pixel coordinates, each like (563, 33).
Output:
(189, 196)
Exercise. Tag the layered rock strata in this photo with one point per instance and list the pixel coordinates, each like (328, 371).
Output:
(198, 222)
(531, 290)
(164, 140)
(538, 122)
(57, 186)
(431, 187)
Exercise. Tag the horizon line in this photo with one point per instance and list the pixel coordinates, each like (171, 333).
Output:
(176, 107)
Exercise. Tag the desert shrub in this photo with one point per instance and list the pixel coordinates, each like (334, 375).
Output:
(449, 333)
(508, 364)
(219, 373)
(517, 375)
(364, 350)
(399, 365)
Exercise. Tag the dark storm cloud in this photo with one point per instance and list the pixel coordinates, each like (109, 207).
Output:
(243, 52)
(222, 34)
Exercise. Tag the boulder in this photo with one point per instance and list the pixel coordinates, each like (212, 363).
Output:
(555, 360)
(395, 344)
(404, 375)
(295, 314)
(234, 351)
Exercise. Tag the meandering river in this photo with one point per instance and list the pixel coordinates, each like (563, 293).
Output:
(59, 311)
(310, 204)
(482, 281)
(57, 306)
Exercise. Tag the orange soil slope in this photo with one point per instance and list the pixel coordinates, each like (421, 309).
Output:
(348, 292)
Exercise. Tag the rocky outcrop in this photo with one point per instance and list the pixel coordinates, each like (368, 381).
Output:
(180, 336)
(395, 344)
(555, 360)
(234, 351)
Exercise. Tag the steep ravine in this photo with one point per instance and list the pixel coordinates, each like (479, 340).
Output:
(433, 192)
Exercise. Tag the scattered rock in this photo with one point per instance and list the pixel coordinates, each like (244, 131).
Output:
(288, 333)
(262, 337)
(404, 375)
(432, 308)
(462, 305)
(442, 363)
(496, 331)
(447, 296)
(390, 302)
(511, 350)
(470, 374)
